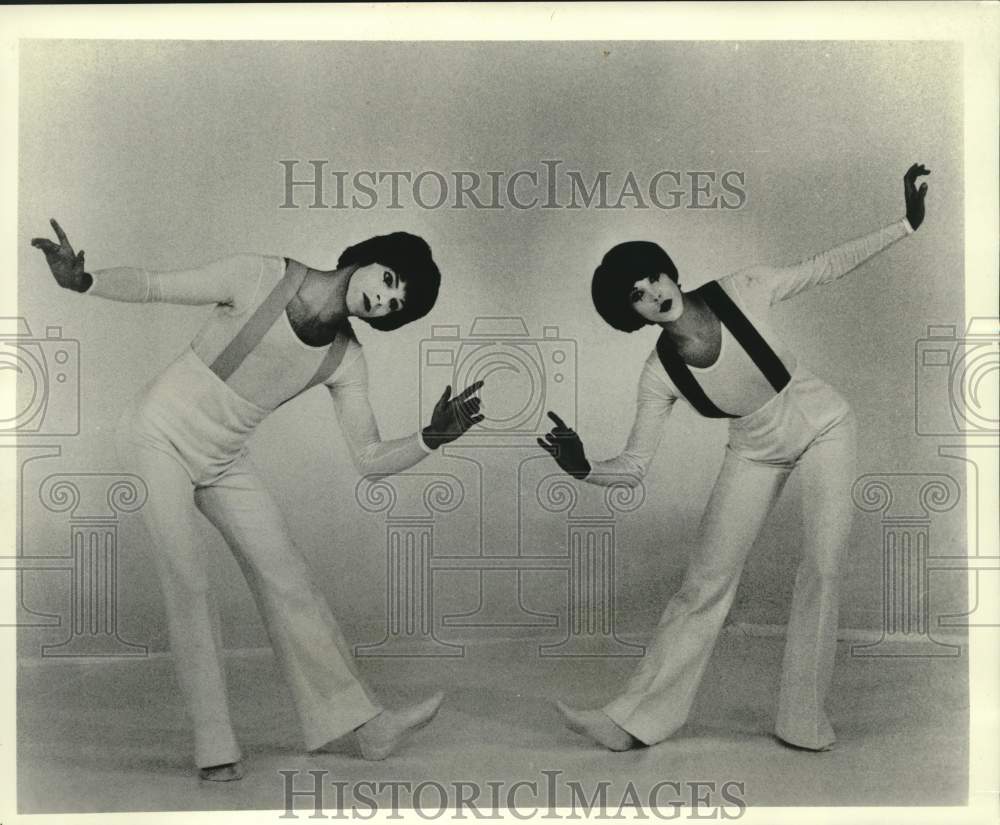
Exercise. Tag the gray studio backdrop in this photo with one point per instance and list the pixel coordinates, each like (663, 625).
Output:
(168, 155)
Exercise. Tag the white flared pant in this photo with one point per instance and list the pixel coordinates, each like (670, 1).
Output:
(809, 429)
(184, 437)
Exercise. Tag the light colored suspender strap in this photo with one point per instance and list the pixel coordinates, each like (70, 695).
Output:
(256, 327)
(334, 355)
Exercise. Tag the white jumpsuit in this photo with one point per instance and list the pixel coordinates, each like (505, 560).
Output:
(185, 437)
(804, 425)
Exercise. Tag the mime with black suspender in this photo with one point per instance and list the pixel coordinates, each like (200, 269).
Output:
(717, 351)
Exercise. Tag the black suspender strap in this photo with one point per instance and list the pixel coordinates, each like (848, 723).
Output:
(684, 380)
(746, 334)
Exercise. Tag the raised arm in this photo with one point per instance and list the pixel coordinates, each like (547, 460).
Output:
(779, 283)
(220, 282)
(370, 454)
(654, 403)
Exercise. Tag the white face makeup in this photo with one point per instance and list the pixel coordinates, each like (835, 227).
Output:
(375, 291)
(657, 299)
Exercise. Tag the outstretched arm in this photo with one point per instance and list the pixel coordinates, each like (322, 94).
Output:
(779, 283)
(220, 282)
(653, 405)
(370, 454)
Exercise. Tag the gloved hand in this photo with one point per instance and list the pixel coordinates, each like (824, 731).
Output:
(565, 446)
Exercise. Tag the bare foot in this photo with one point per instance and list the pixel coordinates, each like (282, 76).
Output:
(229, 772)
(379, 736)
(597, 725)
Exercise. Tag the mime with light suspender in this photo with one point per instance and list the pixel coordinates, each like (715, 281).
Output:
(276, 329)
(717, 352)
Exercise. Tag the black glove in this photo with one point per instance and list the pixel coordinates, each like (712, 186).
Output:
(66, 266)
(453, 416)
(915, 197)
(565, 446)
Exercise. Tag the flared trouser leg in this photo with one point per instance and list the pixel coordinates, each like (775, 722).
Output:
(827, 469)
(329, 696)
(192, 615)
(314, 656)
(658, 698)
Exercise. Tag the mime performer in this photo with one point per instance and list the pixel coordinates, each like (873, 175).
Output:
(277, 328)
(717, 352)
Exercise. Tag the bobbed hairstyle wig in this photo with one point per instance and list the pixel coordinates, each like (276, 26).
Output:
(620, 268)
(409, 257)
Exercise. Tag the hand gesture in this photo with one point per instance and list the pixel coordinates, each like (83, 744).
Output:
(914, 196)
(66, 266)
(453, 416)
(564, 445)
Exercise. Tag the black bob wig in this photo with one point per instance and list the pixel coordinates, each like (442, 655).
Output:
(620, 268)
(409, 257)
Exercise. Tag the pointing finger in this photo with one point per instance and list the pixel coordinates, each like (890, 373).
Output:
(470, 390)
(559, 422)
(63, 240)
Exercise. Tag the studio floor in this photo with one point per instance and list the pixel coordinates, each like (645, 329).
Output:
(112, 736)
